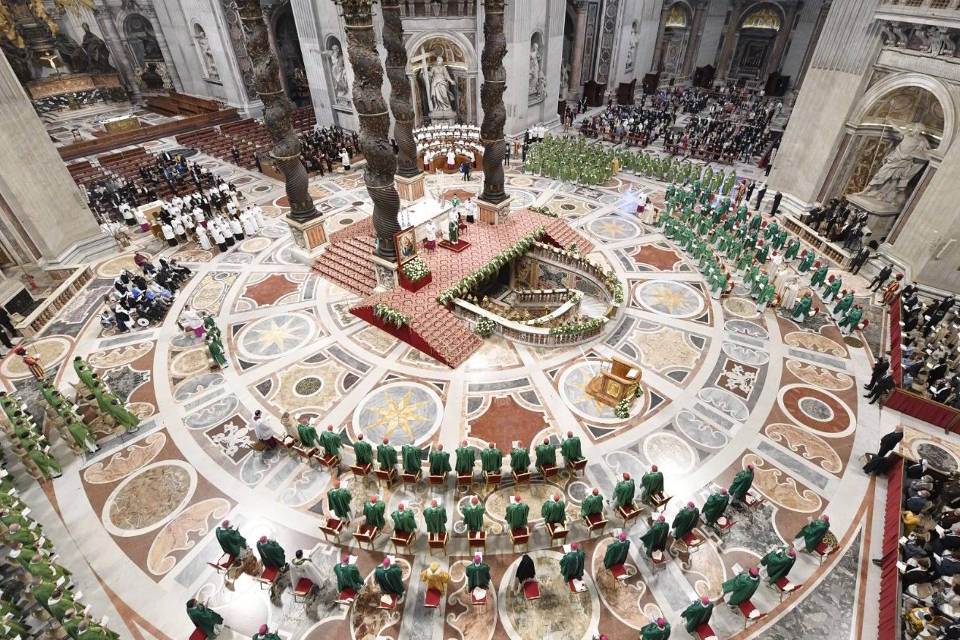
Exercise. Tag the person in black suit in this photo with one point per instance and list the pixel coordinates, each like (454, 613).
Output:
(881, 278)
(760, 194)
(881, 461)
(882, 366)
(883, 386)
(859, 259)
(5, 322)
(776, 203)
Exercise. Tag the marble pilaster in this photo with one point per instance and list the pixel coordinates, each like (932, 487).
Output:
(576, 55)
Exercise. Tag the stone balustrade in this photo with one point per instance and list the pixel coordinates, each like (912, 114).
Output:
(521, 332)
(528, 297)
(567, 259)
(52, 304)
(438, 8)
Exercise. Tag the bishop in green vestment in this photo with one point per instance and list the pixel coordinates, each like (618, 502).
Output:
(778, 563)
(715, 505)
(338, 501)
(554, 511)
(264, 634)
(624, 491)
(478, 574)
(411, 459)
(655, 539)
(83, 371)
(403, 521)
(685, 520)
(230, 539)
(546, 454)
(813, 532)
(570, 448)
(741, 484)
(435, 517)
(362, 451)
(389, 578)
(439, 461)
(215, 347)
(330, 441)
(307, 434)
(386, 456)
(617, 551)
(473, 515)
(657, 630)
(592, 504)
(520, 460)
(652, 483)
(466, 457)
(348, 575)
(203, 617)
(742, 587)
(697, 613)
(571, 564)
(373, 512)
(517, 514)
(124, 417)
(491, 459)
(271, 553)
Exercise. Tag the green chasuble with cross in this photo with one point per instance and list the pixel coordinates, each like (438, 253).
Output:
(466, 456)
(439, 462)
(205, 619)
(571, 449)
(684, 522)
(741, 588)
(386, 457)
(436, 519)
(491, 460)
(338, 500)
(654, 632)
(591, 504)
(411, 459)
(478, 575)
(616, 553)
(813, 533)
(231, 541)
(373, 513)
(348, 577)
(778, 563)
(520, 460)
(714, 507)
(554, 512)
(652, 483)
(571, 565)
(741, 484)
(696, 614)
(363, 452)
(623, 493)
(517, 515)
(546, 455)
(655, 539)
(473, 517)
(307, 435)
(271, 553)
(389, 579)
(403, 521)
(330, 442)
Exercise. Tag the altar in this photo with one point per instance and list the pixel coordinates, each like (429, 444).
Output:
(124, 122)
(422, 211)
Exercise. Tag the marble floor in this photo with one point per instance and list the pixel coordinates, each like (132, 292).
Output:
(724, 387)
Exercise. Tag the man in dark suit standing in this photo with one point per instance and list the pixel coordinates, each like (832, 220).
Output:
(760, 194)
(776, 203)
(878, 370)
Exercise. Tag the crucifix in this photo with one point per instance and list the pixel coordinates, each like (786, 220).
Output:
(422, 61)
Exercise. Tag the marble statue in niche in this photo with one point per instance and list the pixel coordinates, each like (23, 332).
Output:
(939, 42)
(338, 71)
(440, 89)
(889, 184)
(536, 81)
(564, 81)
(206, 55)
(96, 50)
(632, 47)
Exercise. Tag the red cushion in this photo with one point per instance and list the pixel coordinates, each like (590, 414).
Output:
(198, 634)
(705, 631)
(269, 573)
(347, 594)
(304, 585)
(618, 570)
(432, 598)
(531, 590)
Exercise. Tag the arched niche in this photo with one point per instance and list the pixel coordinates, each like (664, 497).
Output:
(204, 52)
(757, 32)
(536, 75)
(289, 55)
(145, 52)
(459, 58)
(677, 27)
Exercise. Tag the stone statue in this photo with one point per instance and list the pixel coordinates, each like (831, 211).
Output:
(72, 53)
(535, 81)
(203, 45)
(341, 88)
(96, 49)
(564, 81)
(631, 48)
(441, 94)
(940, 43)
(905, 161)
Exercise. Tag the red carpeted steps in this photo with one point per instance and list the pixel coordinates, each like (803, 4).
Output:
(347, 263)
(565, 235)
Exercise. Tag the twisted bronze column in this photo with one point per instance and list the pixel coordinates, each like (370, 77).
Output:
(400, 103)
(491, 98)
(374, 122)
(276, 111)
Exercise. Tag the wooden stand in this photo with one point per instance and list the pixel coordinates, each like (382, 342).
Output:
(613, 385)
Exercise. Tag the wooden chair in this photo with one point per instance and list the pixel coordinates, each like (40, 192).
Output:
(402, 540)
(628, 512)
(366, 534)
(267, 576)
(548, 471)
(657, 563)
(302, 589)
(619, 573)
(573, 588)
(658, 502)
(825, 548)
(704, 632)
(346, 597)
(437, 480)
(595, 522)
(361, 470)
(411, 478)
(749, 612)
(332, 529)
(474, 601)
(437, 541)
(721, 526)
(523, 476)
(531, 589)
(223, 563)
(492, 480)
(690, 543)
(477, 540)
(329, 461)
(576, 466)
(464, 482)
(431, 599)
(557, 532)
(753, 500)
(519, 537)
(387, 476)
(389, 605)
(198, 634)
(784, 587)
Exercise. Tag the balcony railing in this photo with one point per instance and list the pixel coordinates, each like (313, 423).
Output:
(438, 8)
(934, 12)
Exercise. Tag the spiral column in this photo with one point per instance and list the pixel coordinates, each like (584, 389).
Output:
(276, 113)
(491, 98)
(400, 102)
(374, 122)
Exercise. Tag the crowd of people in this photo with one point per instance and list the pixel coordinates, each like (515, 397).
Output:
(839, 222)
(930, 346)
(143, 298)
(324, 146)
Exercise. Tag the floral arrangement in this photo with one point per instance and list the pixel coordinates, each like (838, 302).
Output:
(484, 327)
(638, 391)
(543, 210)
(467, 283)
(389, 315)
(615, 287)
(622, 409)
(416, 269)
(584, 325)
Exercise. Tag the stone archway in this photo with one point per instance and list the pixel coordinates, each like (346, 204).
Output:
(756, 40)
(677, 29)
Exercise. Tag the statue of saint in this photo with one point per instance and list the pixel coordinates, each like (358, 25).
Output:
(96, 50)
(441, 93)
(453, 228)
(340, 85)
(564, 81)
(535, 80)
(906, 160)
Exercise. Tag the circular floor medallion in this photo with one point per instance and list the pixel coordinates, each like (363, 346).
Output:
(404, 412)
(275, 335)
(148, 499)
(671, 298)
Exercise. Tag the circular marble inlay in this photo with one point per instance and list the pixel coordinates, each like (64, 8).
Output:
(937, 457)
(568, 207)
(254, 245)
(667, 297)
(850, 341)
(670, 453)
(112, 267)
(816, 409)
(308, 386)
(50, 351)
(612, 228)
(189, 363)
(746, 328)
(404, 412)
(275, 335)
(345, 221)
(148, 499)
(260, 188)
(573, 390)
(741, 307)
